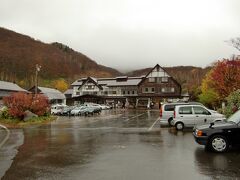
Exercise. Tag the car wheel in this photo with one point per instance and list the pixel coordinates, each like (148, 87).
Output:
(219, 143)
(170, 122)
(179, 126)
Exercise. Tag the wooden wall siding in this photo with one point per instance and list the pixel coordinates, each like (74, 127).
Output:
(158, 86)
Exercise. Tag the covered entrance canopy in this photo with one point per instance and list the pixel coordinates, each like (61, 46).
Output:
(89, 98)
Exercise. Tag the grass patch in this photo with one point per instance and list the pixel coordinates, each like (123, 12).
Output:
(16, 123)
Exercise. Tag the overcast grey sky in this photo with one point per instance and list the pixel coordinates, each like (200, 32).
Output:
(131, 34)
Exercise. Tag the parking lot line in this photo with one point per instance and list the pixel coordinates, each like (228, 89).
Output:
(135, 117)
(154, 124)
(7, 136)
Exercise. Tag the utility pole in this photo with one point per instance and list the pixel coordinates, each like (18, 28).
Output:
(38, 68)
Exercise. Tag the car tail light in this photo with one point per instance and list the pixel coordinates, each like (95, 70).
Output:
(199, 133)
(174, 114)
(161, 112)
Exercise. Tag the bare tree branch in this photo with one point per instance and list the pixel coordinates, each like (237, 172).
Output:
(235, 42)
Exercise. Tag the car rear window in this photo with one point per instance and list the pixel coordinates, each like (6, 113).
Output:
(169, 107)
(185, 110)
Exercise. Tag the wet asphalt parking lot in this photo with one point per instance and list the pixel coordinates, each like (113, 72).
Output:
(117, 144)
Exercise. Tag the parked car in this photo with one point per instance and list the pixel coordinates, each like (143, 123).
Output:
(167, 110)
(218, 136)
(66, 111)
(104, 107)
(95, 107)
(192, 115)
(79, 110)
(57, 109)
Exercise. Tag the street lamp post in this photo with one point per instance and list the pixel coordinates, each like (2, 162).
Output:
(38, 68)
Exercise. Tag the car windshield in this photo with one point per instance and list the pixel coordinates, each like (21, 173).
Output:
(235, 117)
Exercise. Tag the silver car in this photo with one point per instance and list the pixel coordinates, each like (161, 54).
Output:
(167, 110)
(192, 115)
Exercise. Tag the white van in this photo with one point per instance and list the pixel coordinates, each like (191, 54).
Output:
(192, 115)
(57, 109)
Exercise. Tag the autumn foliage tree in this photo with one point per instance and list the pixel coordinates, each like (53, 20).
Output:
(20, 102)
(223, 79)
(60, 85)
(208, 96)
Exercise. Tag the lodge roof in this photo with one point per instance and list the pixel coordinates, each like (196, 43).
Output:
(9, 86)
(52, 93)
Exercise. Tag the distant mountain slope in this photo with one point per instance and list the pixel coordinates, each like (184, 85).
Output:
(20, 53)
(187, 76)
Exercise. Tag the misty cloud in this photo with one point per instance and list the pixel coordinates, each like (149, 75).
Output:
(131, 34)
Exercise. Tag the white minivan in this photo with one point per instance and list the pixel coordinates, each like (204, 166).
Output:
(192, 115)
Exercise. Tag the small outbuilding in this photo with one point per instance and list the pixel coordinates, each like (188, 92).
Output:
(7, 88)
(54, 95)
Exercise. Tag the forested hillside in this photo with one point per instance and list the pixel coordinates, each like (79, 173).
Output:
(19, 55)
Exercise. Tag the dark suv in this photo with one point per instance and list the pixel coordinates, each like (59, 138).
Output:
(219, 135)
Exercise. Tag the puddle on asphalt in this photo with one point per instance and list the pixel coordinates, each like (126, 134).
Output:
(10, 150)
(111, 150)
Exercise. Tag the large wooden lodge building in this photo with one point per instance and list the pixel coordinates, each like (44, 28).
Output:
(155, 87)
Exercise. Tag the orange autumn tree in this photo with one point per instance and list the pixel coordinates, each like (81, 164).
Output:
(60, 85)
(225, 77)
(219, 82)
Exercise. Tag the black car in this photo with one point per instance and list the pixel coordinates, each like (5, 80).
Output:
(219, 136)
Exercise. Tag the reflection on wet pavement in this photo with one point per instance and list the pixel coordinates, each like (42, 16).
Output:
(113, 145)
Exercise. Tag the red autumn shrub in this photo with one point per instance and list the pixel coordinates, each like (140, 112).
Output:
(18, 103)
(40, 105)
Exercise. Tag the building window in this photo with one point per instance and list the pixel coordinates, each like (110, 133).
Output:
(168, 90)
(123, 92)
(90, 87)
(164, 79)
(128, 92)
(114, 92)
(149, 90)
(133, 92)
(77, 93)
(151, 79)
(163, 90)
